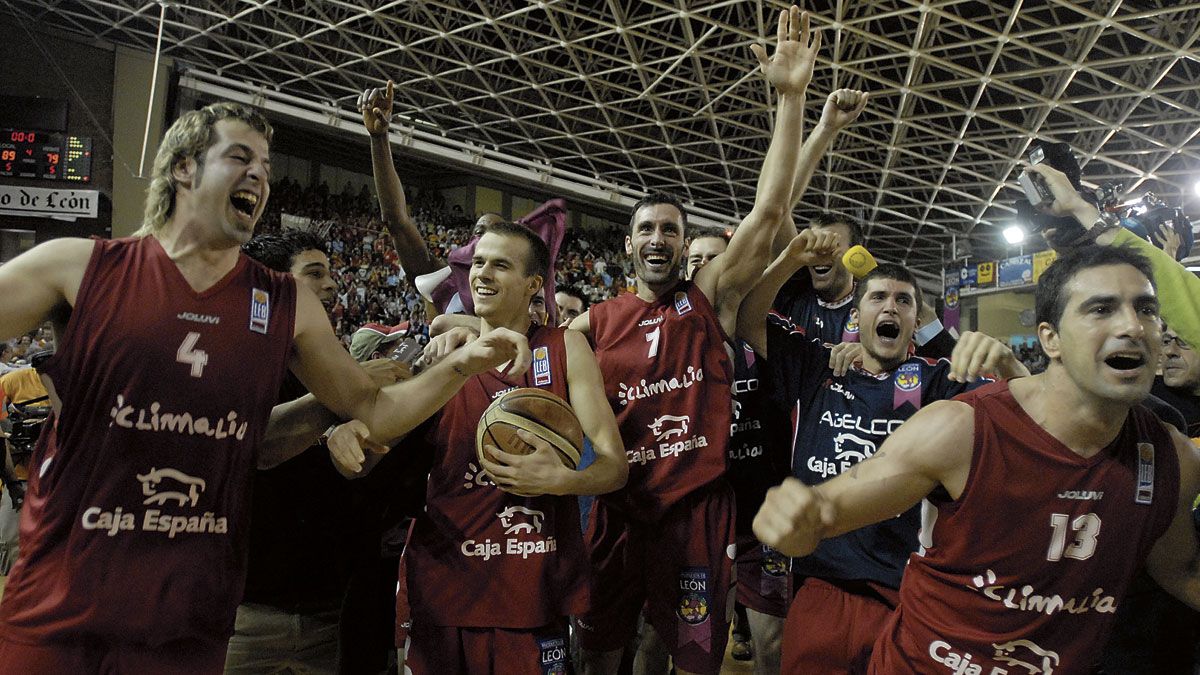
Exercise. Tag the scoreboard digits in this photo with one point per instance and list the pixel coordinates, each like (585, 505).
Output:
(37, 154)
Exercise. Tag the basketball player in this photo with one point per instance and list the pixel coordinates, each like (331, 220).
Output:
(493, 576)
(1049, 492)
(171, 352)
(666, 540)
(848, 585)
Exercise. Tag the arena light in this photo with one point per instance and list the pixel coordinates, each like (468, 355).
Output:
(1198, 188)
(1014, 234)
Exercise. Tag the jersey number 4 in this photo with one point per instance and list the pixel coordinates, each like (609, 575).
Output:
(188, 354)
(1085, 528)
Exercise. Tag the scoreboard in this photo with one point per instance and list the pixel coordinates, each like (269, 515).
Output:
(48, 156)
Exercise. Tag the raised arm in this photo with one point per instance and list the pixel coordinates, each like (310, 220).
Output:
(728, 277)
(1178, 289)
(34, 283)
(1174, 562)
(842, 107)
(415, 258)
(932, 448)
(810, 247)
(541, 472)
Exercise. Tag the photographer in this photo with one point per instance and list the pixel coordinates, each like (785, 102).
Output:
(24, 396)
(1178, 289)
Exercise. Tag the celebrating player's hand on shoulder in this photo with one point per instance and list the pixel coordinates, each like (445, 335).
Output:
(495, 348)
(441, 346)
(813, 247)
(376, 108)
(843, 356)
(978, 355)
(538, 473)
(790, 68)
(793, 518)
(842, 107)
(386, 371)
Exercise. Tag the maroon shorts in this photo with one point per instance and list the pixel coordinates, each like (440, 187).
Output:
(85, 656)
(830, 630)
(764, 578)
(438, 650)
(679, 569)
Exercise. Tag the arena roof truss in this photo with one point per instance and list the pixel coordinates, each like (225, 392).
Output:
(626, 95)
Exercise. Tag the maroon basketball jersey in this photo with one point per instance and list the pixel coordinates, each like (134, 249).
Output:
(134, 528)
(667, 376)
(1024, 572)
(479, 556)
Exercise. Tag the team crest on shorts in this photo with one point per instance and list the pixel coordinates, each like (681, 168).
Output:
(774, 563)
(694, 597)
(260, 310)
(552, 653)
(541, 366)
(682, 304)
(908, 377)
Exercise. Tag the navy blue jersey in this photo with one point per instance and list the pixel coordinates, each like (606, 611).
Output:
(837, 422)
(828, 321)
(756, 464)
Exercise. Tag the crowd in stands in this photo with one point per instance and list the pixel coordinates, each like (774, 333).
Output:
(372, 288)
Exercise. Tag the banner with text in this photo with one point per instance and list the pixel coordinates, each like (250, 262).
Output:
(63, 204)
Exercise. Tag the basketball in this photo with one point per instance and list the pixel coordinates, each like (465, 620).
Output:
(537, 411)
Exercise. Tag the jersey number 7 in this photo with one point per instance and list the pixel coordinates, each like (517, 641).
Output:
(652, 338)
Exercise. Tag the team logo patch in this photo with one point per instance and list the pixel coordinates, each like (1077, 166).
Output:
(682, 304)
(552, 653)
(541, 366)
(908, 377)
(852, 326)
(1145, 477)
(774, 563)
(260, 310)
(952, 298)
(693, 595)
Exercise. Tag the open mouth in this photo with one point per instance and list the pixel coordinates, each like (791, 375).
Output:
(244, 201)
(888, 330)
(822, 269)
(657, 259)
(1125, 361)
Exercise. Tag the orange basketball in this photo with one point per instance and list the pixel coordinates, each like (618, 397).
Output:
(538, 412)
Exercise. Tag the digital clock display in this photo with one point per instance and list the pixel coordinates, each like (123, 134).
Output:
(37, 154)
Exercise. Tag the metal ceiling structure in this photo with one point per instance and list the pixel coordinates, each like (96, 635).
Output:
(659, 93)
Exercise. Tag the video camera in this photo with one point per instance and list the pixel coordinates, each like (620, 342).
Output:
(1038, 194)
(1145, 217)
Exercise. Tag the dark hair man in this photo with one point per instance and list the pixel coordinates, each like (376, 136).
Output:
(571, 303)
(848, 585)
(662, 541)
(302, 551)
(167, 369)
(1048, 492)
